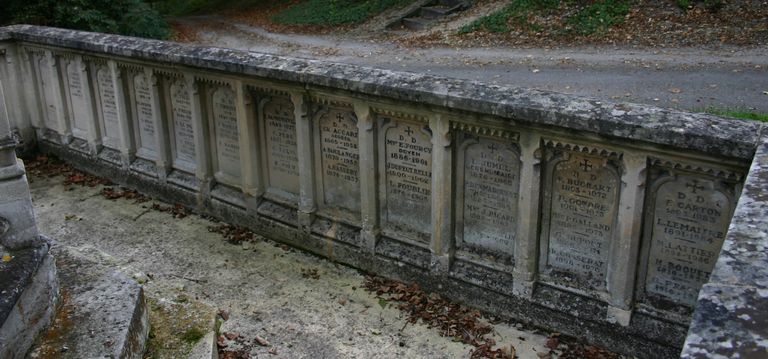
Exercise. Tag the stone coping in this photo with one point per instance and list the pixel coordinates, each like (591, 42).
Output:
(698, 132)
(731, 318)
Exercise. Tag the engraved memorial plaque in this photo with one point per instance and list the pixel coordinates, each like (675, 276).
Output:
(491, 184)
(144, 114)
(108, 105)
(49, 104)
(689, 223)
(81, 111)
(339, 157)
(227, 139)
(280, 132)
(582, 216)
(408, 176)
(183, 128)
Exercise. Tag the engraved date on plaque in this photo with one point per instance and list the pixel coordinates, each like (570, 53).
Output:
(108, 103)
(690, 219)
(80, 107)
(280, 131)
(144, 114)
(408, 171)
(491, 185)
(340, 156)
(183, 128)
(227, 137)
(583, 195)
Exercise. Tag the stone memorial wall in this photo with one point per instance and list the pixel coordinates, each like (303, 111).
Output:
(596, 220)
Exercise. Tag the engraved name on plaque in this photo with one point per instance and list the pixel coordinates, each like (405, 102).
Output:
(49, 103)
(280, 133)
(583, 201)
(81, 110)
(108, 106)
(144, 116)
(339, 156)
(491, 181)
(408, 178)
(183, 129)
(227, 139)
(688, 225)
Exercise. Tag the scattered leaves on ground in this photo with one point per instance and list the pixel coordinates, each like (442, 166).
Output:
(233, 234)
(452, 320)
(310, 273)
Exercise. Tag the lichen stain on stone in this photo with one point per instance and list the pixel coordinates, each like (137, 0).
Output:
(52, 341)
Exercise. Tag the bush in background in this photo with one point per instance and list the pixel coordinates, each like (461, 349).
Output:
(126, 17)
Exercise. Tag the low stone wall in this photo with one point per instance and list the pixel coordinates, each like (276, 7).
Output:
(599, 220)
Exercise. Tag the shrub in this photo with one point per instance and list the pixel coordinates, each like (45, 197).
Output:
(127, 17)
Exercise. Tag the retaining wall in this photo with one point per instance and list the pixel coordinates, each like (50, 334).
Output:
(599, 220)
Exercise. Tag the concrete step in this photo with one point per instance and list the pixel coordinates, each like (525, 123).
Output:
(416, 23)
(102, 314)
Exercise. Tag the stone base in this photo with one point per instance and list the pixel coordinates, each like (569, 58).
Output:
(29, 294)
(102, 314)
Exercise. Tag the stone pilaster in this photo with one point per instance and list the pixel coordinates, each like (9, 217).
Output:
(368, 187)
(442, 241)
(526, 243)
(126, 144)
(307, 205)
(163, 161)
(247, 130)
(199, 128)
(625, 249)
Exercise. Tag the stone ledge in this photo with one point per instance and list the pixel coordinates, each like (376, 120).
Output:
(103, 312)
(28, 298)
(698, 132)
(730, 319)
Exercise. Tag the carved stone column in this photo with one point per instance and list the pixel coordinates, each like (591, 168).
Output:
(368, 190)
(307, 205)
(526, 244)
(442, 243)
(623, 265)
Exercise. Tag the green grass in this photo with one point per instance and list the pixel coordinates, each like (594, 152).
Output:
(517, 11)
(736, 113)
(334, 12)
(598, 17)
(192, 335)
(594, 18)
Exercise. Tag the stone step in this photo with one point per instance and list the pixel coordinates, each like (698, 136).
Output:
(102, 312)
(28, 292)
(416, 23)
(434, 12)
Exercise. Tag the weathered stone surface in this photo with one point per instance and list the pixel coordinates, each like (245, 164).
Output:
(687, 228)
(579, 218)
(704, 133)
(490, 188)
(27, 299)
(730, 319)
(339, 159)
(103, 312)
(407, 176)
(280, 137)
(226, 136)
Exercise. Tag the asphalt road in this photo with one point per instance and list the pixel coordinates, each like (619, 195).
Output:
(688, 79)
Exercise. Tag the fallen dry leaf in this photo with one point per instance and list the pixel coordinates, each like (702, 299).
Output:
(263, 342)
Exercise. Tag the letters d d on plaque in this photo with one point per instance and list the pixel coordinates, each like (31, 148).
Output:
(686, 220)
(579, 217)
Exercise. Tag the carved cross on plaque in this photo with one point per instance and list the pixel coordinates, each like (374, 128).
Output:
(586, 165)
(493, 147)
(694, 186)
(408, 130)
(339, 116)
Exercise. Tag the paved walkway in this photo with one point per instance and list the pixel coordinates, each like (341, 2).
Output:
(690, 79)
